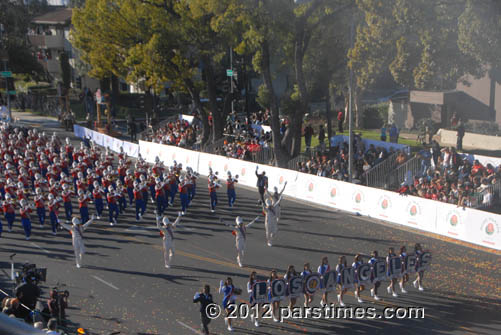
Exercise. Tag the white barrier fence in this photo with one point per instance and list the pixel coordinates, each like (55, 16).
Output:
(470, 225)
(106, 141)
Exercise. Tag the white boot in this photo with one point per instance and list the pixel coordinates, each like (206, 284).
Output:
(415, 283)
(402, 289)
(340, 301)
(360, 301)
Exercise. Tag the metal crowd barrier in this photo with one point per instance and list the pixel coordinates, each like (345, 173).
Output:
(409, 169)
(477, 199)
(301, 158)
(263, 156)
(212, 147)
(378, 175)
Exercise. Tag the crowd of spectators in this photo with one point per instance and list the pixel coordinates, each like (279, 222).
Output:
(245, 139)
(444, 176)
(448, 177)
(333, 163)
(180, 133)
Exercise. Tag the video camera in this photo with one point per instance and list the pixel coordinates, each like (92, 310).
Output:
(59, 294)
(30, 273)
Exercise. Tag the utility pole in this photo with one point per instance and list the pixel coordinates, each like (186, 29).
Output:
(231, 78)
(5, 59)
(350, 110)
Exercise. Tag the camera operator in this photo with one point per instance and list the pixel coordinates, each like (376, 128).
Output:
(28, 293)
(57, 304)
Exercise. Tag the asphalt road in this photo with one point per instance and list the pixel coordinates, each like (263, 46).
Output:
(124, 286)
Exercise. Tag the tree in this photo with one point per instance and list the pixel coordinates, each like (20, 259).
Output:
(263, 23)
(308, 18)
(15, 18)
(479, 32)
(416, 40)
(152, 42)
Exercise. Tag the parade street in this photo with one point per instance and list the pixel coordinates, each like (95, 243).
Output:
(123, 284)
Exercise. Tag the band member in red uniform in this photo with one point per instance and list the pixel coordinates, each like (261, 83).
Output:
(121, 192)
(98, 194)
(53, 212)
(183, 194)
(83, 199)
(213, 186)
(140, 204)
(129, 182)
(9, 210)
(66, 195)
(40, 205)
(25, 210)
(160, 197)
(112, 206)
(230, 185)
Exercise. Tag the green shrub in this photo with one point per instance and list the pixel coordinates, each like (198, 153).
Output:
(375, 116)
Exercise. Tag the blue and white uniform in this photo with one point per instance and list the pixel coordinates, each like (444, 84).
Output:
(228, 296)
(323, 269)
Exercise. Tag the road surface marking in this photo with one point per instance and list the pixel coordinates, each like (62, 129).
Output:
(190, 328)
(39, 247)
(105, 282)
(261, 272)
(135, 228)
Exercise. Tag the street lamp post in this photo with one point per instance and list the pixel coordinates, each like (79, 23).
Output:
(231, 78)
(350, 110)
(5, 59)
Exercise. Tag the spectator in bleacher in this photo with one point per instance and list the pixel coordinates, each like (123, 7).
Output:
(394, 133)
(308, 134)
(460, 135)
(340, 120)
(321, 137)
(383, 133)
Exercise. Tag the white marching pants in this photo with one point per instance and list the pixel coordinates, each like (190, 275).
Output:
(168, 253)
(240, 255)
(79, 249)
